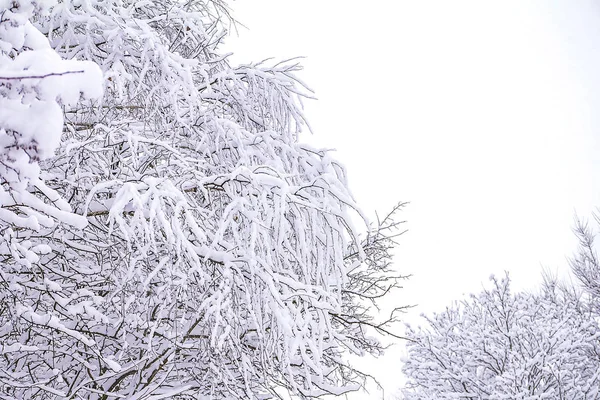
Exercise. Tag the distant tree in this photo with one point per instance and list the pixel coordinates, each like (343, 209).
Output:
(500, 345)
(585, 263)
(219, 259)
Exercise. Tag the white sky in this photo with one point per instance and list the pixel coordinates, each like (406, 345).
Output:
(481, 114)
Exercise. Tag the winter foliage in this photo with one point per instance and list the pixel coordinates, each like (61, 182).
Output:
(179, 242)
(500, 345)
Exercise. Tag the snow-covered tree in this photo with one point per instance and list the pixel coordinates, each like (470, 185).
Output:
(500, 345)
(219, 259)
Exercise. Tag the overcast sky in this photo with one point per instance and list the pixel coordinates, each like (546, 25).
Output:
(483, 115)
